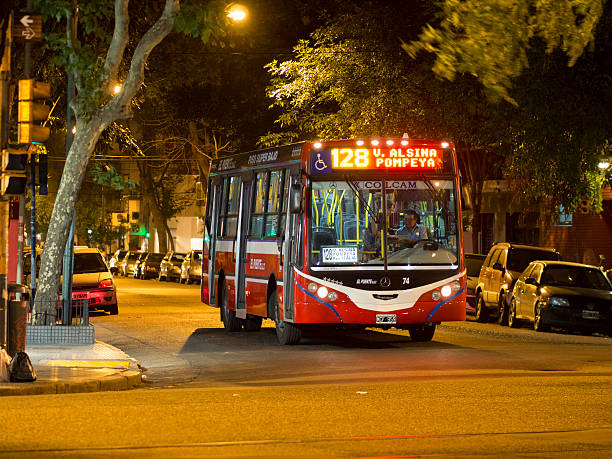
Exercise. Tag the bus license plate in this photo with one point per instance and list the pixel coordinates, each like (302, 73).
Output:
(386, 318)
(590, 314)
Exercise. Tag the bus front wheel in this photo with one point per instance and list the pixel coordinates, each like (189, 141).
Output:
(422, 333)
(286, 332)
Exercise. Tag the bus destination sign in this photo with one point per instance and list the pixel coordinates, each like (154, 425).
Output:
(413, 158)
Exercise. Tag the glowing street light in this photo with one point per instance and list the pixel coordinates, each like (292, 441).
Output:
(603, 165)
(117, 89)
(236, 12)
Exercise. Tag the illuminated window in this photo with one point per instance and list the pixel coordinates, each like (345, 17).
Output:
(563, 218)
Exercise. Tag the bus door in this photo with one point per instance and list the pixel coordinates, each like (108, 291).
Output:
(291, 244)
(240, 243)
(212, 243)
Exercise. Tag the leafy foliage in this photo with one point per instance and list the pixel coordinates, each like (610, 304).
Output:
(490, 39)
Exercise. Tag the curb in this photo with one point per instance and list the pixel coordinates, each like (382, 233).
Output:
(127, 379)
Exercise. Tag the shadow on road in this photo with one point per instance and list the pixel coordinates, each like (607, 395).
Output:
(211, 339)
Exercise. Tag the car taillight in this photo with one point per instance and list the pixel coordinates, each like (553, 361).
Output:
(106, 283)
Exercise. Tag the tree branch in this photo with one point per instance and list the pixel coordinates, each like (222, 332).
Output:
(118, 106)
(114, 56)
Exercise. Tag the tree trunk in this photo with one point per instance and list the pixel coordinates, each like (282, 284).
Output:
(47, 294)
(89, 128)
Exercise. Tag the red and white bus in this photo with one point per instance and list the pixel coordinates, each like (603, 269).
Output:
(362, 233)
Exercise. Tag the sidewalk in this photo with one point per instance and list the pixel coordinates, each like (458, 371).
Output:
(70, 369)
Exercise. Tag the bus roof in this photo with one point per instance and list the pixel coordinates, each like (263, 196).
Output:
(258, 158)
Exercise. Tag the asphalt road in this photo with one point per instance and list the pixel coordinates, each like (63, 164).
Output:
(476, 389)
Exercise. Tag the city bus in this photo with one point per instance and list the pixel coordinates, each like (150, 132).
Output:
(352, 233)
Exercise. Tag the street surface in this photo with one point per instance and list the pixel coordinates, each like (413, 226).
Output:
(476, 389)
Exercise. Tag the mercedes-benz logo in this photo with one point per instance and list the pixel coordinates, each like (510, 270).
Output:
(384, 281)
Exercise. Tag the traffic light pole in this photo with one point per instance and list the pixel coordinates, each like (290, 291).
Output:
(5, 74)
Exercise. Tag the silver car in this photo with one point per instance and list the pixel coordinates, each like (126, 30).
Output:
(191, 268)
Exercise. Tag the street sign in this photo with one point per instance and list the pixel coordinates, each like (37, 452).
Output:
(28, 27)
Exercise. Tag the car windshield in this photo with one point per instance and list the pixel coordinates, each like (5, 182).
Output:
(197, 256)
(574, 276)
(121, 254)
(518, 259)
(133, 256)
(88, 263)
(473, 264)
(155, 257)
(348, 224)
(178, 257)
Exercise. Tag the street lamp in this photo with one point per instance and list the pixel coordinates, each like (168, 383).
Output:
(117, 89)
(236, 12)
(604, 164)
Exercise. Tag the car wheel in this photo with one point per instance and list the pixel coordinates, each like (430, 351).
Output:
(286, 332)
(512, 320)
(482, 313)
(113, 310)
(230, 321)
(538, 320)
(502, 316)
(253, 323)
(422, 333)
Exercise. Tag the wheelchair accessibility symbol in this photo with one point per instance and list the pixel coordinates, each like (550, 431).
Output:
(321, 162)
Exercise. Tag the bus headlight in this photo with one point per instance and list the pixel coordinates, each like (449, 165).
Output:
(435, 295)
(312, 287)
(333, 296)
(446, 291)
(456, 285)
(322, 292)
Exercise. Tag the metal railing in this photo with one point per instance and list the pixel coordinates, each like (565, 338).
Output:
(79, 314)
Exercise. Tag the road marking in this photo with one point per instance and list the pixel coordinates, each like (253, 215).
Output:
(122, 364)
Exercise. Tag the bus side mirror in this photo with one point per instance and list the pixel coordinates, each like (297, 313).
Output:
(295, 199)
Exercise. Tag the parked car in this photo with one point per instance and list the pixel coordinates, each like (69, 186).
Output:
(115, 261)
(127, 265)
(170, 266)
(149, 267)
(473, 264)
(93, 280)
(191, 268)
(562, 294)
(609, 274)
(504, 264)
(139, 260)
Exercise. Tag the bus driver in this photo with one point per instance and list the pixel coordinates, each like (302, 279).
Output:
(413, 230)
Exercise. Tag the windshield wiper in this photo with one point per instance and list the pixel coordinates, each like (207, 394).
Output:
(351, 184)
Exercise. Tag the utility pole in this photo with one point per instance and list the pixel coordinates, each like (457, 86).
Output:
(5, 75)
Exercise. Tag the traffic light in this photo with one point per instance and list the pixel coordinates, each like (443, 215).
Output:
(32, 111)
(14, 166)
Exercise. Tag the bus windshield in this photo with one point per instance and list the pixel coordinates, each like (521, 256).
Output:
(348, 224)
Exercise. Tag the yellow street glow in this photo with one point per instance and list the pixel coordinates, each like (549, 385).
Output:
(117, 89)
(236, 12)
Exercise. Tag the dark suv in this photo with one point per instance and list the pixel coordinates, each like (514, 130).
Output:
(504, 264)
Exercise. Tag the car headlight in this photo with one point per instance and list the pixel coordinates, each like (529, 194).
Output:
(558, 302)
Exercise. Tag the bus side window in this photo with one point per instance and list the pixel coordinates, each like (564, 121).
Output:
(257, 219)
(223, 208)
(233, 205)
(274, 203)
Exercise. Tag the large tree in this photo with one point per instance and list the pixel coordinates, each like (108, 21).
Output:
(550, 59)
(351, 79)
(96, 66)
